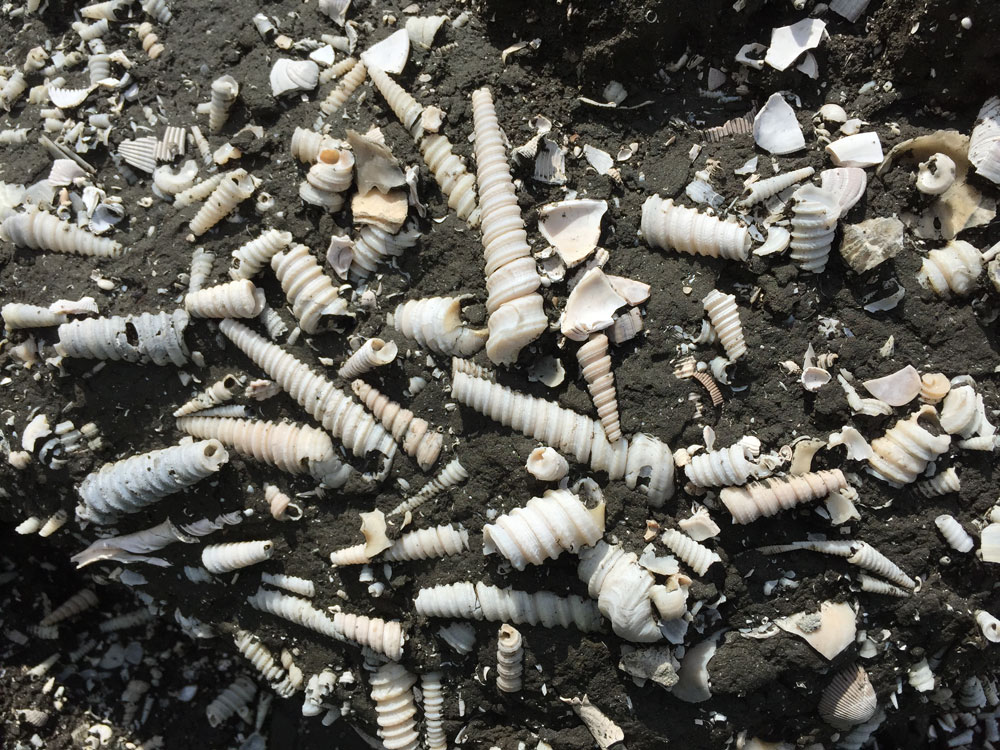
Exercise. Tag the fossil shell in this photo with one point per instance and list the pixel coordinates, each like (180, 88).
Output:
(870, 243)
(311, 293)
(510, 659)
(546, 465)
(726, 467)
(696, 556)
(292, 76)
(861, 150)
(225, 89)
(395, 708)
(377, 168)
(693, 684)
(251, 257)
(433, 703)
(604, 731)
(234, 188)
(849, 699)
(725, 317)
(934, 386)
(595, 366)
(846, 185)
(989, 625)
(952, 269)
(224, 558)
(920, 677)
(776, 128)
(936, 175)
(235, 699)
(699, 526)
(829, 631)
(572, 227)
(79, 602)
(407, 109)
(984, 143)
(956, 536)
(451, 175)
(852, 10)
(422, 29)
(336, 99)
(622, 588)
(766, 498)
(450, 476)
(235, 299)
(39, 230)
(788, 43)
(763, 189)
(436, 323)
(68, 98)
(962, 412)
(373, 353)
(814, 221)
(390, 54)
(941, 484)
(414, 434)
(897, 389)
(328, 179)
(903, 453)
(667, 225)
(590, 306)
(832, 113)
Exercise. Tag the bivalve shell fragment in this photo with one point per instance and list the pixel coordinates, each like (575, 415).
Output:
(776, 128)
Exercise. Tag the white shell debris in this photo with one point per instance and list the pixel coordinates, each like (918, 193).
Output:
(693, 685)
(591, 306)
(861, 150)
(897, 389)
(606, 733)
(829, 631)
(788, 43)
(390, 54)
(776, 128)
(852, 10)
(936, 175)
(984, 143)
(572, 227)
(547, 465)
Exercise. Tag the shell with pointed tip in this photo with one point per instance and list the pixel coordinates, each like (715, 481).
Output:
(395, 708)
(438, 541)
(407, 109)
(984, 143)
(595, 366)
(234, 188)
(865, 556)
(815, 213)
(920, 677)
(952, 269)
(12, 90)
(225, 558)
(374, 244)
(902, 454)
(373, 353)
(480, 601)
(667, 225)
(510, 659)
(849, 699)
(725, 317)
(328, 179)
(696, 556)
(79, 602)
(158, 9)
(234, 299)
(415, 434)
(451, 175)
(225, 89)
(772, 495)
(311, 293)
(450, 476)
(764, 189)
(942, 484)
(262, 660)
(39, 230)
(235, 699)
(622, 588)
(218, 393)
(727, 467)
(339, 96)
(953, 533)
(250, 258)
(436, 323)
(158, 338)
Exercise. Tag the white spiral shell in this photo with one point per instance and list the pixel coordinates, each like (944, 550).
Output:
(510, 659)
(479, 601)
(234, 299)
(989, 624)
(18, 315)
(512, 281)
(972, 694)
(224, 558)
(310, 292)
(40, 230)
(413, 433)
(622, 588)
(250, 258)
(595, 366)
(272, 322)
(235, 699)
(941, 484)
(158, 9)
(952, 269)
(336, 98)
(54, 522)
(920, 677)
(395, 708)
(639, 457)
(328, 179)
(201, 268)
(33, 716)
(255, 652)
(127, 620)
(79, 602)
(543, 529)
(373, 353)
(865, 556)
(433, 704)
(306, 145)
(297, 449)
(14, 137)
(12, 90)
(129, 485)
(281, 506)
(961, 413)
(815, 213)
(451, 175)
(224, 92)
(451, 475)
(902, 454)
(234, 188)
(436, 323)
(696, 556)
(764, 189)
(407, 110)
(766, 498)
(665, 224)
(722, 468)
(849, 699)
(374, 244)
(149, 40)
(878, 586)
(725, 317)
(345, 419)
(956, 536)
(438, 541)
(200, 190)
(218, 393)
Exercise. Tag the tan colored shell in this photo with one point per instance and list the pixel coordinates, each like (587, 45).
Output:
(306, 144)
(224, 558)
(710, 386)
(696, 556)
(224, 92)
(219, 392)
(667, 225)
(940, 484)
(451, 175)
(234, 188)
(150, 41)
(339, 96)
(934, 386)
(433, 704)
(512, 281)
(328, 179)
(727, 467)
(202, 262)
(450, 476)
(849, 699)
(436, 323)
(310, 292)
(815, 213)
(18, 315)
(413, 433)
(373, 353)
(952, 269)
(395, 708)
(725, 317)
(510, 659)
(251, 257)
(79, 602)
(766, 498)
(374, 244)
(622, 589)
(639, 457)
(281, 506)
(39, 230)
(53, 523)
(595, 366)
(234, 299)
(902, 454)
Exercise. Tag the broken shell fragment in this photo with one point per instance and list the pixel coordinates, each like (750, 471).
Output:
(849, 699)
(546, 464)
(572, 227)
(833, 113)
(847, 185)
(989, 625)
(829, 631)
(591, 306)
(292, 76)
(984, 143)
(776, 128)
(936, 175)
(870, 243)
(604, 731)
(788, 43)
(951, 269)
(902, 454)
(861, 150)
(897, 389)
(766, 498)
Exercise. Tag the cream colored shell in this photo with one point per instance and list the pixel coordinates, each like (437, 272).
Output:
(920, 677)
(546, 465)
(639, 457)
(158, 9)
(940, 484)
(764, 189)
(373, 353)
(438, 541)
(934, 386)
(696, 556)
(235, 699)
(128, 620)
(622, 588)
(512, 281)
(433, 704)
(201, 268)
(956, 536)
(510, 659)
(306, 145)
(450, 476)
(595, 366)
(849, 699)
(79, 602)
(234, 188)
(878, 586)
(129, 485)
(339, 96)
(200, 190)
(262, 660)
(451, 175)
(413, 433)
(725, 317)
(328, 179)
(336, 411)
(225, 558)
(960, 412)
(436, 323)
(395, 708)
(234, 299)
(218, 393)
(952, 269)
(171, 182)
(667, 225)
(902, 454)
(224, 92)
(989, 624)
(407, 110)
(460, 636)
(39, 230)
(815, 213)
(766, 498)
(727, 467)
(867, 557)
(250, 258)
(18, 315)
(281, 506)
(149, 40)
(310, 292)
(374, 244)
(12, 90)
(543, 529)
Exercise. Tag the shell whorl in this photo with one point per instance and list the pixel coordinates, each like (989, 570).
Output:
(311, 293)
(224, 92)
(595, 366)
(339, 96)
(224, 558)
(479, 601)
(622, 588)
(373, 353)
(234, 299)
(235, 699)
(433, 703)
(395, 708)
(451, 475)
(956, 536)
(407, 109)
(906, 449)
(218, 393)
(234, 188)
(722, 468)
(764, 189)
(79, 602)
(510, 659)
(725, 317)
(415, 434)
(696, 556)
(438, 541)
(451, 175)
(328, 179)
(436, 322)
(815, 213)
(250, 258)
(667, 225)
(40, 230)
(374, 244)
(766, 498)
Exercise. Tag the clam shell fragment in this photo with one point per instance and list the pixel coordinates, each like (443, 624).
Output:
(572, 227)
(776, 128)
(849, 699)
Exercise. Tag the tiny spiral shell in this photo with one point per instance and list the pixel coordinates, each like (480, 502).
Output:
(665, 224)
(451, 175)
(149, 40)
(79, 602)
(328, 179)
(17, 315)
(224, 92)
(414, 433)
(867, 557)
(934, 386)
(281, 506)
(272, 322)
(218, 393)
(849, 699)
(234, 299)
(595, 366)
(905, 450)
(373, 353)
(438, 541)
(436, 323)
(374, 244)
(878, 586)
(300, 586)
(941, 484)
(356, 554)
(956, 536)
(696, 556)
(158, 9)
(395, 708)
(766, 498)
(235, 699)
(224, 558)
(251, 257)
(306, 145)
(972, 693)
(202, 262)
(40, 230)
(952, 269)
(764, 189)
(815, 213)
(402, 104)
(433, 704)
(337, 69)
(339, 96)
(311, 292)
(53, 523)
(622, 588)
(200, 190)
(543, 529)
(254, 651)
(127, 620)
(510, 659)
(722, 468)
(235, 188)
(451, 475)
(725, 317)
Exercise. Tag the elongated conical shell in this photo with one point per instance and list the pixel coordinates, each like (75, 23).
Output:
(235, 188)
(223, 558)
(224, 92)
(43, 231)
(79, 602)
(373, 353)
(510, 659)
(667, 225)
(764, 189)
(725, 316)
(311, 293)
(395, 708)
(451, 175)
(696, 556)
(772, 495)
(436, 323)
(595, 365)
(251, 257)
(849, 699)
(450, 476)
(235, 299)
(414, 434)
(438, 541)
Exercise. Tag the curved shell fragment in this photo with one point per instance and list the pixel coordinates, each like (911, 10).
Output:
(897, 389)
(776, 128)
(572, 227)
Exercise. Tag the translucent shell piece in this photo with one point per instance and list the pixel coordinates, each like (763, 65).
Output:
(235, 299)
(595, 366)
(572, 227)
(373, 245)
(328, 179)
(436, 323)
(39, 230)
(960, 412)
(414, 434)
(829, 632)
(766, 498)
(725, 317)
(699, 526)
(845, 185)
(224, 558)
(902, 454)
(727, 467)
(129, 485)
(941, 484)
(897, 389)
(667, 225)
(546, 465)
(373, 353)
(218, 393)
(451, 175)
(510, 659)
(953, 533)
(622, 588)
(776, 128)
(860, 150)
(79, 602)
(450, 476)
(310, 292)
(815, 213)
(395, 708)
(543, 529)
(250, 258)
(764, 189)
(934, 386)
(849, 699)
(696, 556)
(984, 143)
(234, 188)
(952, 269)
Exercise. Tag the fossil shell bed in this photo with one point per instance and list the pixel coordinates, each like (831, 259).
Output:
(770, 687)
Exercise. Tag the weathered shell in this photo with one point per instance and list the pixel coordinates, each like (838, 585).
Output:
(224, 558)
(952, 269)
(667, 225)
(953, 533)
(815, 213)
(861, 150)
(591, 306)
(622, 588)
(936, 175)
(934, 386)
(433, 702)
(696, 556)
(727, 467)
(989, 625)
(373, 245)
(547, 465)
(292, 76)
(235, 699)
(422, 29)
(903, 453)
(984, 144)
(437, 324)
(776, 128)
(79, 602)
(725, 317)
(311, 293)
(395, 708)
(251, 257)
(940, 484)
(339, 96)
(235, 299)
(772, 495)
(849, 699)
(451, 175)
(510, 659)
(451, 475)
(763, 189)
(225, 89)
(413, 433)
(39, 230)
(829, 632)
(234, 188)
(373, 353)
(595, 366)
(870, 243)
(897, 389)
(328, 179)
